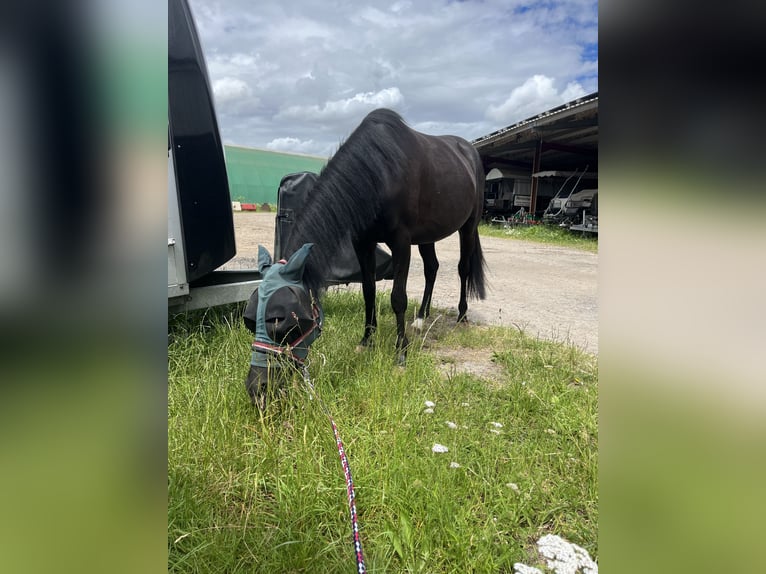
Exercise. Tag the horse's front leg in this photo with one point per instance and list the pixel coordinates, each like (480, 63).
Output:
(401, 259)
(366, 256)
(430, 267)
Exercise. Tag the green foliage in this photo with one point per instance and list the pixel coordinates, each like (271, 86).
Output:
(252, 492)
(550, 234)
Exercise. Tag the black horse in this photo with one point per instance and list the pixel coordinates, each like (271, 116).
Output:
(388, 183)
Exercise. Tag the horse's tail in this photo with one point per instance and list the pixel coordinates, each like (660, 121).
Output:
(476, 286)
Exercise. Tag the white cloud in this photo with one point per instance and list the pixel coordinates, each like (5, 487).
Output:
(573, 91)
(312, 70)
(297, 145)
(341, 109)
(401, 6)
(239, 64)
(380, 18)
(441, 128)
(228, 89)
(537, 94)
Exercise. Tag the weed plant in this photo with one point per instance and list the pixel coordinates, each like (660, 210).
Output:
(548, 234)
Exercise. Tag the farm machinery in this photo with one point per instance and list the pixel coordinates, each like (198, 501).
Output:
(573, 206)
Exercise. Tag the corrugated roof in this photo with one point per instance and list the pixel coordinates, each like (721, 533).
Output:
(542, 118)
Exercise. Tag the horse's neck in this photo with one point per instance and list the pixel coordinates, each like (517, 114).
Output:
(317, 262)
(320, 223)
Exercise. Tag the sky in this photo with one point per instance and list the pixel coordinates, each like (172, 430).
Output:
(299, 75)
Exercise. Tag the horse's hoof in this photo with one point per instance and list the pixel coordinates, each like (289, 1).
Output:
(359, 348)
(417, 324)
(401, 361)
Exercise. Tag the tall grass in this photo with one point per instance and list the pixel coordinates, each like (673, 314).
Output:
(253, 492)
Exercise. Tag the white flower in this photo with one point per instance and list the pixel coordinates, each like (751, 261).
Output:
(428, 411)
(451, 425)
(512, 486)
(464, 405)
(550, 431)
(430, 404)
(439, 448)
(564, 557)
(494, 431)
(497, 425)
(454, 465)
(561, 556)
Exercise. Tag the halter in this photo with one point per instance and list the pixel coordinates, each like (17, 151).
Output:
(276, 349)
(266, 306)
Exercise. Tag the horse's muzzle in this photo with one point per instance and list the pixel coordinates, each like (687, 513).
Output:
(264, 384)
(257, 386)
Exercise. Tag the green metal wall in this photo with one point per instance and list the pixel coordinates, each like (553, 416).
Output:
(254, 174)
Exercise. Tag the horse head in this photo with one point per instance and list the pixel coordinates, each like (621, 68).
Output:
(285, 319)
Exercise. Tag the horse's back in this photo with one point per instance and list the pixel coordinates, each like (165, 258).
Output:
(456, 168)
(448, 154)
(434, 184)
(455, 156)
(445, 192)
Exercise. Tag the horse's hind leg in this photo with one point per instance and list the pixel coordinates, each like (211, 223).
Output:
(467, 244)
(430, 267)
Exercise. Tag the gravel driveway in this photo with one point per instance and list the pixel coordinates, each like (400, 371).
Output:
(549, 292)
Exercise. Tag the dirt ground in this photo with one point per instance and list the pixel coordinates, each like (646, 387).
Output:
(549, 292)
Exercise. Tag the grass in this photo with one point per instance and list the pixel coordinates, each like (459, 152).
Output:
(549, 234)
(251, 492)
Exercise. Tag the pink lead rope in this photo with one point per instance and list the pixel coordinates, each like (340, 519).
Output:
(360, 567)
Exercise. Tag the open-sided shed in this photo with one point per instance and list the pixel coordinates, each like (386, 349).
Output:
(563, 138)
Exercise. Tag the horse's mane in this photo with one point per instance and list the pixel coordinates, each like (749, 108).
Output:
(349, 193)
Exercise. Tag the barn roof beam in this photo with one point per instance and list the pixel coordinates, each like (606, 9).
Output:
(567, 148)
(491, 160)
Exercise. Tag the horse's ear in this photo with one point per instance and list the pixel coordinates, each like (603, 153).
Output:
(293, 269)
(264, 259)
